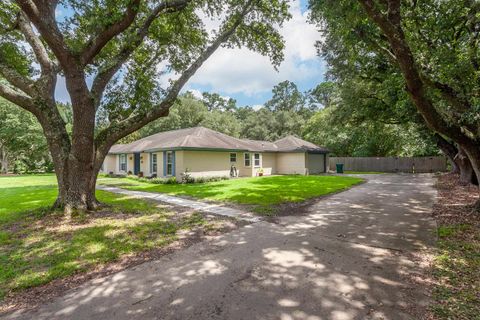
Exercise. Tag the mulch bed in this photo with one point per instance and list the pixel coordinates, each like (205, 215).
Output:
(455, 204)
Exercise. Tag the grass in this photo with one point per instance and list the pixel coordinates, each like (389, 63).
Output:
(457, 273)
(263, 192)
(456, 265)
(38, 246)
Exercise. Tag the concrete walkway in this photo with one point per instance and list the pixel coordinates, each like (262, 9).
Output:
(197, 205)
(346, 259)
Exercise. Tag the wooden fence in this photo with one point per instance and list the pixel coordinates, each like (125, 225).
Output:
(390, 164)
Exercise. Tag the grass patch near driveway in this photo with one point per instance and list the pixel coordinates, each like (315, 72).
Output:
(262, 192)
(38, 246)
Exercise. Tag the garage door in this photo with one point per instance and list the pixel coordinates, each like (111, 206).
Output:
(316, 163)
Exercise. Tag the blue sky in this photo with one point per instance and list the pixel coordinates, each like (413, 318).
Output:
(249, 77)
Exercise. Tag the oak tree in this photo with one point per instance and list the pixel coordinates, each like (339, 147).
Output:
(111, 55)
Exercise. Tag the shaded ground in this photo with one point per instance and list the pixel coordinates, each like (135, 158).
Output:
(350, 257)
(456, 267)
(43, 253)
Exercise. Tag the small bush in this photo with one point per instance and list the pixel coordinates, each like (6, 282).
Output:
(157, 180)
(187, 177)
(171, 180)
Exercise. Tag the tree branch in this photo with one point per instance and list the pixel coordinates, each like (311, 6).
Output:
(107, 72)
(18, 98)
(404, 58)
(16, 79)
(43, 17)
(37, 46)
(96, 44)
(106, 138)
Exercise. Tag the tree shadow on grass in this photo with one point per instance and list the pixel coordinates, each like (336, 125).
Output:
(348, 259)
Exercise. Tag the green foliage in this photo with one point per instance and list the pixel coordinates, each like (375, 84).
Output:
(345, 137)
(23, 147)
(286, 97)
(371, 86)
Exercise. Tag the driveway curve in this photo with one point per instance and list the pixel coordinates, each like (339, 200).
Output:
(347, 257)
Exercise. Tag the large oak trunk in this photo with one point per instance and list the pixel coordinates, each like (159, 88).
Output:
(450, 151)
(471, 162)
(76, 187)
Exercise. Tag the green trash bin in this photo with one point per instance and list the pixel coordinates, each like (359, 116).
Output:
(339, 167)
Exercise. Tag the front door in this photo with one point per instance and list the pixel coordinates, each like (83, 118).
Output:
(136, 163)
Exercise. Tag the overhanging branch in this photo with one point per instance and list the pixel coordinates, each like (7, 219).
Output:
(106, 138)
(18, 98)
(107, 72)
(96, 44)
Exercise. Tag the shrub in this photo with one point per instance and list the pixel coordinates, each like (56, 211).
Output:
(200, 180)
(187, 177)
(157, 180)
(171, 180)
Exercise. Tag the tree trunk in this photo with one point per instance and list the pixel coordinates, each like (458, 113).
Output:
(472, 152)
(4, 161)
(449, 150)
(467, 173)
(75, 188)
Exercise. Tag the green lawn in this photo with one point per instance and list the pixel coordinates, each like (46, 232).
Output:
(37, 246)
(260, 191)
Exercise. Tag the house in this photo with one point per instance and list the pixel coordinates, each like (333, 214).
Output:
(206, 153)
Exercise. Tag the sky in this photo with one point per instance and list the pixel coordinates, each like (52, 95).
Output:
(249, 77)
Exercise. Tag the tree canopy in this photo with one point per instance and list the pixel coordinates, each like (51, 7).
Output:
(112, 55)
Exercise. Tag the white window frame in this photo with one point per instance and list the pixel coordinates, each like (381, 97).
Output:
(247, 157)
(123, 156)
(255, 160)
(234, 157)
(153, 164)
(169, 163)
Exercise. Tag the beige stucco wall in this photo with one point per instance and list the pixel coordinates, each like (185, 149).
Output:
(110, 164)
(244, 171)
(145, 163)
(291, 163)
(204, 163)
(268, 162)
(315, 163)
(130, 162)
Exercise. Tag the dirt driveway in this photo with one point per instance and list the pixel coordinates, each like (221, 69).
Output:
(347, 258)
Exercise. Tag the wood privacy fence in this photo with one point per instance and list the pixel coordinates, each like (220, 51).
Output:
(391, 164)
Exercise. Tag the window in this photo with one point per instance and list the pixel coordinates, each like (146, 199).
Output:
(246, 157)
(169, 163)
(233, 157)
(153, 162)
(123, 162)
(256, 159)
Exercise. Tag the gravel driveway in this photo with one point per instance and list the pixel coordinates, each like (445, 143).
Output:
(348, 257)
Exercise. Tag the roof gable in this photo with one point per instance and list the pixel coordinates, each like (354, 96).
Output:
(204, 138)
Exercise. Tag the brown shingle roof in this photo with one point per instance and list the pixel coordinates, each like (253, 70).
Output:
(203, 138)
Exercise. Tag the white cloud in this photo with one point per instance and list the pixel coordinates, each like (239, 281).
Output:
(257, 107)
(244, 71)
(196, 93)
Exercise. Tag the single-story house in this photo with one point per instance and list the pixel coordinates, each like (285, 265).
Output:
(207, 153)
